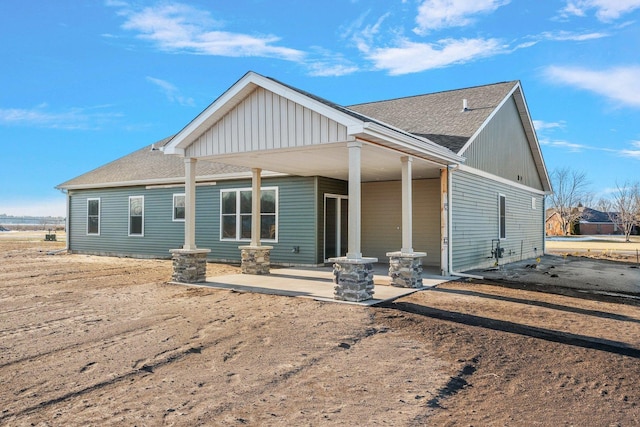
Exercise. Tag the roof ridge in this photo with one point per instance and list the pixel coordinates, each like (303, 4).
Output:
(433, 93)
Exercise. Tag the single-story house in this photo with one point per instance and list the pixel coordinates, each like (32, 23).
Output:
(593, 221)
(305, 181)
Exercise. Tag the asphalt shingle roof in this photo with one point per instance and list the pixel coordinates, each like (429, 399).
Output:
(439, 116)
(147, 164)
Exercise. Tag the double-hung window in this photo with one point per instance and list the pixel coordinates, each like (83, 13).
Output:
(235, 214)
(136, 215)
(502, 216)
(178, 207)
(93, 216)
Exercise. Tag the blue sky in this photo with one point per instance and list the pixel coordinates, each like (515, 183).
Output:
(86, 82)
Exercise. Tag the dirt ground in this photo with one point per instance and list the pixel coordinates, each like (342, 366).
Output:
(104, 341)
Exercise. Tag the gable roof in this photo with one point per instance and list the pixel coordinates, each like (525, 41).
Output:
(148, 166)
(440, 116)
(357, 125)
(434, 126)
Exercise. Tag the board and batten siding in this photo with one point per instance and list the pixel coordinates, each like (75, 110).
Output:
(382, 219)
(475, 222)
(265, 121)
(297, 222)
(502, 149)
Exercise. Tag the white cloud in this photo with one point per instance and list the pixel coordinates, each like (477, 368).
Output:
(179, 27)
(542, 125)
(171, 92)
(633, 152)
(620, 84)
(70, 119)
(411, 57)
(570, 146)
(437, 14)
(571, 36)
(328, 69)
(605, 10)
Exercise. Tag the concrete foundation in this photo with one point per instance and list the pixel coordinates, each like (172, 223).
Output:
(405, 269)
(189, 266)
(255, 259)
(353, 278)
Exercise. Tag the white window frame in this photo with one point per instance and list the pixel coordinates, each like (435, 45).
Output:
(141, 234)
(174, 207)
(533, 203)
(99, 215)
(502, 215)
(239, 215)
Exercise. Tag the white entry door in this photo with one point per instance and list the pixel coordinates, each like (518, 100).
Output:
(336, 219)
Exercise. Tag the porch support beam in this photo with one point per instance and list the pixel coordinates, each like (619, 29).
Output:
(407, 205)
(405, 267)
(256, 182)
(189, 204)
(355, 203)
(353, 274)
(255, 258)
(189, 263)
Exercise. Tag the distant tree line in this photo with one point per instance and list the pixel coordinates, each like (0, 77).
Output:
(571, 191)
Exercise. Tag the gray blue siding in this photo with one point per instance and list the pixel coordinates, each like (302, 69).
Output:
(297, 222)
(475, 221)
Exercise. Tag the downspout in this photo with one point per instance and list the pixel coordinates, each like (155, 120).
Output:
(450, 170)
(67, 222)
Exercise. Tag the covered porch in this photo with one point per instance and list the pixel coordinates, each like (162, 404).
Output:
(263, 125)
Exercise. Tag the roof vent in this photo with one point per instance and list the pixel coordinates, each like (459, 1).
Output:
(465, 105)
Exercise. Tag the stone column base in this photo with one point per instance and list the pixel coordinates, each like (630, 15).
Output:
(405, 269)
(255, 259)
(189, 265)
(353, 278)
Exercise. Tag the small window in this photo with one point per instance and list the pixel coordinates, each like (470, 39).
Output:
(533, 203)
(178, 207)
(235, 213)
(136, 215)
(502, 216)
(93, 216)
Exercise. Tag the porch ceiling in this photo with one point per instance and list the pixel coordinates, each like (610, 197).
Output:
(332, 161)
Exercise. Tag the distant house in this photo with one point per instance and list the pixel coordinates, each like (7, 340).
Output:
(593, 222)
(448, 173)
(553, 223)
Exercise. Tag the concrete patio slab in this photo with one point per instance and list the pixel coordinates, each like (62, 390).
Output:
(313, 283)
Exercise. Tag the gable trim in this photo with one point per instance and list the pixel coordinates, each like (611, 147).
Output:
(235, 94)
(529, 130)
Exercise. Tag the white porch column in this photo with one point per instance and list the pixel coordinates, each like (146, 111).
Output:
(407, 206)
(255, 258)
(353, 274)
(355, 209)
(189, 263)
(405, 267)
(189, 204)
(256, 181)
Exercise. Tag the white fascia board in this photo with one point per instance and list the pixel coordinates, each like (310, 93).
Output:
(538, 150)
(235, 94)
(171, 181)
(414, 143)
(502, 180)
